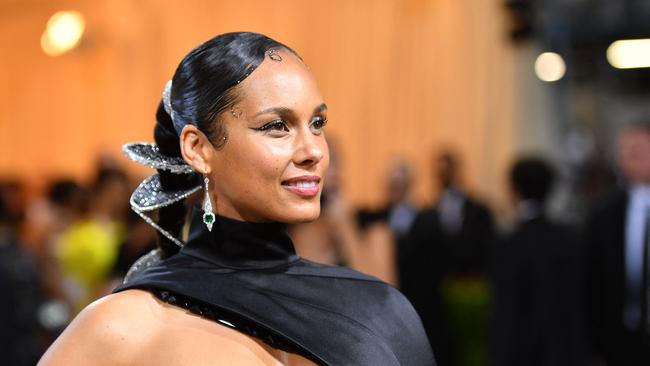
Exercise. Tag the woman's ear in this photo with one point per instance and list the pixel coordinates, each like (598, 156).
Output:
(196, 149)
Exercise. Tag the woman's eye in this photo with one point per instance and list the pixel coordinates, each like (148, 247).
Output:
(319, 123)
(278, 125)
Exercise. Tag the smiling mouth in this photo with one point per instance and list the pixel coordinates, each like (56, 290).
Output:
(306, 186)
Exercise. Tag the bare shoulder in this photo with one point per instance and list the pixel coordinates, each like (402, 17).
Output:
(109, 330)
(134, 327)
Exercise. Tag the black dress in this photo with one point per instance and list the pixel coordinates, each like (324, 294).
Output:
(249, 277)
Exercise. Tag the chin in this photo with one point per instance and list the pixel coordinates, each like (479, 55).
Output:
(302, 214)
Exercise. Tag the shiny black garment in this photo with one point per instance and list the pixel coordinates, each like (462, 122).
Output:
(249, 276)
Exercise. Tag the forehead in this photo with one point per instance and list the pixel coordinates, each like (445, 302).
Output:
(287, 83)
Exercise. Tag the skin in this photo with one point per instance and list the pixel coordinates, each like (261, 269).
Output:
(247, 173)
(634, 155)
(447, 170)
(248, 178)
(399, 182)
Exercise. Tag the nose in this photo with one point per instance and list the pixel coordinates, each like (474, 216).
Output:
(310, 148)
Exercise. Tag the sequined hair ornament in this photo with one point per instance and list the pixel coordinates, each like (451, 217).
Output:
(150, 196)
(167, 104)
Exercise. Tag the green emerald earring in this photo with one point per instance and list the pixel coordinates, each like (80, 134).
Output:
(208, 214)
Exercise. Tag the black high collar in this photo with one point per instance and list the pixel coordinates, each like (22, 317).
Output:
(240, 244)
(250, 276)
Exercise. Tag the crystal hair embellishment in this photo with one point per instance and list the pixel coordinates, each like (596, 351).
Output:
(148, 260)
(149, 155)
(167, 104)
(150, 196)
(167, 97)
(274, 55)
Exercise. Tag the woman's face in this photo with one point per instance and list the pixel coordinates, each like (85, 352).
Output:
(272, 164)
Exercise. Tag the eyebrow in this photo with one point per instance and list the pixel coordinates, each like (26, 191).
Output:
(288, 111)
(321, 108)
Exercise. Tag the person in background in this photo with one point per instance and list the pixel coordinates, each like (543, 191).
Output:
(467, 236)
(88, 249)
(466, 224)
(391, 223)
(21, 340)
(536, 316)
(398, 211)
(616, 239)
(139, 240)
(401, 210)
(66, 204)
(442, 268)
(68, 200)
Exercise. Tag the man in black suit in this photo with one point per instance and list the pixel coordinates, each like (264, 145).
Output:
(536, 313)
(466, 224)
(447, 248)
(617, 252)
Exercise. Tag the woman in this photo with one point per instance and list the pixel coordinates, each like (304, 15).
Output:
(243, 120)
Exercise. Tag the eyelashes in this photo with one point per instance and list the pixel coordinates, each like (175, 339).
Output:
(319, 123)
(279, 125)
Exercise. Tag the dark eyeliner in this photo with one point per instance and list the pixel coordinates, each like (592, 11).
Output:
(271, 125)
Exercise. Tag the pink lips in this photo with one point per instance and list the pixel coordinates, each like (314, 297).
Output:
(305, 186)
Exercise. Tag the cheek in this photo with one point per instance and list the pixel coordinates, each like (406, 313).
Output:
(255, 167)
(270, 161)
(325, 164)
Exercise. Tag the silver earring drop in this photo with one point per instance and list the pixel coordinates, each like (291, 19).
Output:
(208, 214)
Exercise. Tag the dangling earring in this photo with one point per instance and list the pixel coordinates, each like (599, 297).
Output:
(208, 214)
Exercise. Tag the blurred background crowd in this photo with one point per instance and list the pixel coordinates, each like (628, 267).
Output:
(490, 158)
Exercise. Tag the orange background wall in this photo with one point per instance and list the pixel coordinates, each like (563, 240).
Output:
(401, 77)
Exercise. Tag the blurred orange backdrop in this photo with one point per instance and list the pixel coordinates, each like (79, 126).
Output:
(401, 77)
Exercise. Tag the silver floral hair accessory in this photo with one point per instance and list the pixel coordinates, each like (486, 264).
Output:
(150, 196)
(148, 260)
(149, 155)
(167, 104)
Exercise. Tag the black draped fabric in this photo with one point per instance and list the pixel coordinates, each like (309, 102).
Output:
(249, 276)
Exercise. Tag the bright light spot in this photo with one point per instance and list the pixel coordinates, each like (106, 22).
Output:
(549, 67)
(629, 53)
(63, 32)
